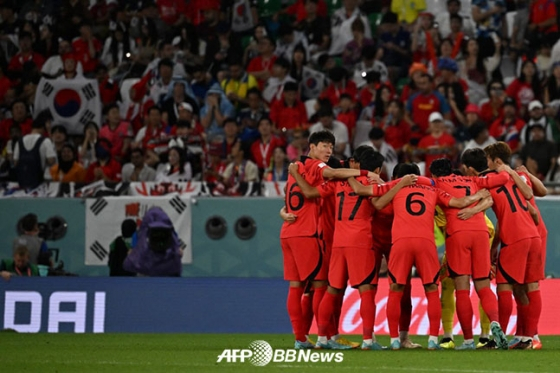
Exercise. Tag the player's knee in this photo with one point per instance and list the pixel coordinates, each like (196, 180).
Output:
(462, 283)
(428, 288)
(397, 287)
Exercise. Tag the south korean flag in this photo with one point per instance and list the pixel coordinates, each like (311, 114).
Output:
(312, 82)
(73, 102)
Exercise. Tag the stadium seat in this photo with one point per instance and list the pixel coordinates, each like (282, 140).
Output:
(310, 107)
(374, 22)
(361, 132)
(268, 8)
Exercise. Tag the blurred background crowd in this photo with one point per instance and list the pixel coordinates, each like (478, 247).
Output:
(228, 91)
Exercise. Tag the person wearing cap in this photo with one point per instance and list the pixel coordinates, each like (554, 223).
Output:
(415, 72)
(289, 112)
(261, 66)
(539, 154)
(508, 126)
(422, 104)
(238, 82)
(274, 85)
(216, 109)
(438, 143)
(25, 54)
(87, 49)
(54, 66)
(117, 132)
(68, 169)
(395, 42)
(179, 92)
(537, 118)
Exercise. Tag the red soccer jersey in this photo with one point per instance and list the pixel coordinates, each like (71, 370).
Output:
(543, 10)
(288, 117)
(512, 211)
(116, 137)
(261, 153)
(421, 106)
(307, 210)
(328, 203)
(333, 93)
(82, 53)
(259, 64)
(436, 148)
(382, 224)
(414, 207)
(352, 226)
(461, 186)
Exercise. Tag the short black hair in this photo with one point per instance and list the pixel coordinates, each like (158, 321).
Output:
(165, 62)
(229, 120)
(128, 227)
(476, 129)
(347, 96)
(109, 107)
(441, 167)
(154, 107)
(29, 222)
(290, 87)
(283, 63)
(475, 158)
(334, 162)
(41, 121)
(455, 16)
(137, 150)
(322, 136)
(390, 18)
(183, 124)
(254, 91)
(408, 168)
(59, 128)
(369, 159)
(376, 133)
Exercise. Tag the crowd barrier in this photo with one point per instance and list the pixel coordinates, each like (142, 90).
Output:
(209, 305)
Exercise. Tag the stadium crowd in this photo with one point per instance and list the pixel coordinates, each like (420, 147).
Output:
(228, 91)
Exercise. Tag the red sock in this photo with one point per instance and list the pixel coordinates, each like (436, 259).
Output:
(521, 318)
(394, 312)
(324, 316)
(434, 312)
(335, 320)
(533, 313)
(307, 311)
(406, 309)
(464, 312)
(489, 303)
(505, 306)
(318, 294)
(294, 311)
(367, 312)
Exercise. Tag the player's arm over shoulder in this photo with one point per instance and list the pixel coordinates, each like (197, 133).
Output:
(447, 200)
(492, 180)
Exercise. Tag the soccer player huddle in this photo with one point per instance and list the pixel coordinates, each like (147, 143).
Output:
(340, 220)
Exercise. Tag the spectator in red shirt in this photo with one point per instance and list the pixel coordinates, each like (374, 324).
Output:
(20, 118)
(117, 132)
(262, 149)
(261, 66)
(172, 12)
(438, 144)
(105, 168)
(25, 55)
(526, 87)
(289, 113)
(422, 104)
(339, 84)
(397, 130)
(492, 109)
(543, 23)
(347, 114)
(87, 49)
(108, 89)
(508, 127)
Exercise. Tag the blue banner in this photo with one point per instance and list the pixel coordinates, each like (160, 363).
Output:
(144, 305)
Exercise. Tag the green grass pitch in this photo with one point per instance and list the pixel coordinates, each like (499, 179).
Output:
(188, 353)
